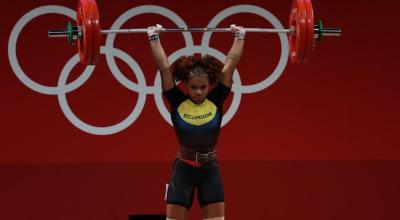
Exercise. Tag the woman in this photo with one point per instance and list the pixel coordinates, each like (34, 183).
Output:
(197, 120)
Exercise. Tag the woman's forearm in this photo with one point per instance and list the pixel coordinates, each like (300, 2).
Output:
(161, 60)
(159, 56)
(231, 60)
(235, 53)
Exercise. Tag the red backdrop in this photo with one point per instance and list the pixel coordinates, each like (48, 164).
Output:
(342, 106)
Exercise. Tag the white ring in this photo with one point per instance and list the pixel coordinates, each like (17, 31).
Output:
(62, 99)
(275, 23)
(12, 54)
(117, 25)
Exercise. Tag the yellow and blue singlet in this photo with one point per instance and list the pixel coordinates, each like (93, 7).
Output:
(197, 125)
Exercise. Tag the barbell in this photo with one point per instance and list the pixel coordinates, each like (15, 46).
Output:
(303, 32)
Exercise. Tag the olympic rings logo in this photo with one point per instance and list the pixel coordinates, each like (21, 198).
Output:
(141, 87)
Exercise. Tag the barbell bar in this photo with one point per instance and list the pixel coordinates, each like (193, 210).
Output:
(303, 33)
(76, 31)
(65, 32)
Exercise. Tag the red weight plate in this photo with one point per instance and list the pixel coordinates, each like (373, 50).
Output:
(310, 40)
(298, 21)
(84, 20)
(96, 32)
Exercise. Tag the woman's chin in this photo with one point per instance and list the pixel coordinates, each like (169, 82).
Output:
(198, 100)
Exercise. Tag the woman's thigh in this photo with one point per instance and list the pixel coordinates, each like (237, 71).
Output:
(213, 210)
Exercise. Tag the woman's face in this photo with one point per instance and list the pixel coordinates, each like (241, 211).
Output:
(198, 88)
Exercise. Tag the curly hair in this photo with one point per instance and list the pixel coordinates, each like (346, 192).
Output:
(208, 64)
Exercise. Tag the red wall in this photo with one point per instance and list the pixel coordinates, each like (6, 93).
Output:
(340, 109)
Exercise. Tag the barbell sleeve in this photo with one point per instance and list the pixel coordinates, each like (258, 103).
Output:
(334, 32)
(61, 33)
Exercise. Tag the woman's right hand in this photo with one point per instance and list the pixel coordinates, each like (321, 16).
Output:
(154, 31)
(239, 31)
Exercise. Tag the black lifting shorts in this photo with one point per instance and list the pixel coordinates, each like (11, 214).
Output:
(186, 177)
